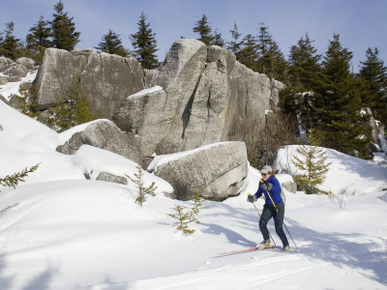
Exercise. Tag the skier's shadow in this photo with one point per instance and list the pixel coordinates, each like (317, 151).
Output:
(232, 236)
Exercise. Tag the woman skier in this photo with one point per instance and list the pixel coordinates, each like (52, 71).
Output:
(274, 207)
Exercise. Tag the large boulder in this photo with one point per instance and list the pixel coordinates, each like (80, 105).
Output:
(215, 172)
(5, 63)
(106, 135)
(28, 63)
(106, 79)
(204, 96)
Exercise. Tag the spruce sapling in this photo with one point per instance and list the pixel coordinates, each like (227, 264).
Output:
(14, 179)
(142, 190)
(312, 162)
(186, 215)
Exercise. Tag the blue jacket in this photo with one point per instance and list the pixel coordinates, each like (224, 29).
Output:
(275, 191)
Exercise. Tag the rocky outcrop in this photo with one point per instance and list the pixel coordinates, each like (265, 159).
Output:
(215, 172)
(106, 135)
(13, 71)
(205, 96)
(5, 63)
(199, 96)
(106, 79)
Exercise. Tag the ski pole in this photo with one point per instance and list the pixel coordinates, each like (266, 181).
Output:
(268, 193)
(260, 216)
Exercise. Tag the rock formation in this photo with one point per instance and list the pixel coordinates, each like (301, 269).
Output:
(106, 79)
(199, 96)
(204, 96)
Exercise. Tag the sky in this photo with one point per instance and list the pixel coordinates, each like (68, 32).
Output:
(362, 24)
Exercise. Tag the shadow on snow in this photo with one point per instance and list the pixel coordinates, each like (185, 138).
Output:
(353, 250)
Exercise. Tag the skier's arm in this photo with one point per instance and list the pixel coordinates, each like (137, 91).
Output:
(275, 186)
(260, 190)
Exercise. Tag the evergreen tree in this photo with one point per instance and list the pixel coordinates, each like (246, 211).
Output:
(374, 76)
(39, 38)
(304, 72)
(312, 163)
(111, 43)
(203, 28)
(235, 45)
(16, 178)
(74, 111)
(185, 215)
(304, 65)
(248, 53)
(144, 44)
(341, 125)
(142, 190)
(217, 39)
(271, 60)
(64, 35)
(10, 45)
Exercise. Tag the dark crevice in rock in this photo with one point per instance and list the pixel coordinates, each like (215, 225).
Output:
(188, 108)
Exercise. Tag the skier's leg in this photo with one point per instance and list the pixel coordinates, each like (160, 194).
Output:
(265, 217)
(278, 222)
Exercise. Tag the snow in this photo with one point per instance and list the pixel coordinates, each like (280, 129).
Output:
(165, 158)
(145, 92)
(12, 88)
(61, 231)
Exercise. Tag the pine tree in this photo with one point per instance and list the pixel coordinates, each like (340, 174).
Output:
(204, 29)
(235, 45)
(111, 43)
(187, 214)
(39, 38)
(74, 111)
(374, 76)
(303, 76)
(271, 60)
(217, 39)
(184, 218)
(248, 53)
(14, 179)
(304, 65)
(63, 31)
(144, 44)
(142, 190)
(341, 125)
(10, 45)
(312, 163)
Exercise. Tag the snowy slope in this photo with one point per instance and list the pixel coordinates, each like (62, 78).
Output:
(60, 231)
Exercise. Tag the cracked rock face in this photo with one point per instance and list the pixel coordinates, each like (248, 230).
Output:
(206, 96)
(106, 79)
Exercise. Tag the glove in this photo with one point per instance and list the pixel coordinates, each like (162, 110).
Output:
(267, 186)
(251, 198)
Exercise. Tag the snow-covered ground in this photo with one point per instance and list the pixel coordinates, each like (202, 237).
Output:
(61, 231)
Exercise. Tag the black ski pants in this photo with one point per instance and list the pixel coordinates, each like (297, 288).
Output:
(268, 212)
